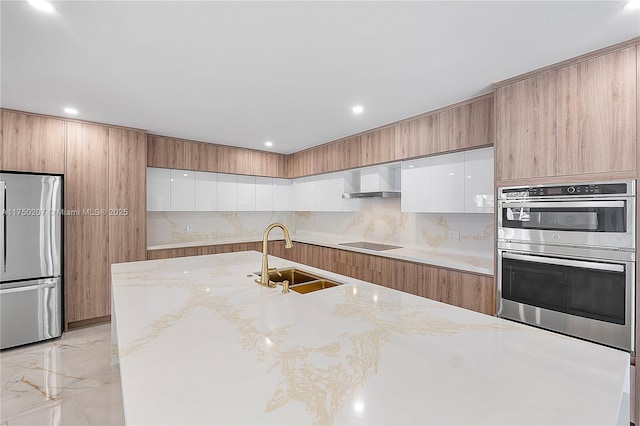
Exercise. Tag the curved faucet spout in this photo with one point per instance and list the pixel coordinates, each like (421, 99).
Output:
(264, 277)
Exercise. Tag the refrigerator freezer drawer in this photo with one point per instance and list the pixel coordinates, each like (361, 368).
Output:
(30, 311)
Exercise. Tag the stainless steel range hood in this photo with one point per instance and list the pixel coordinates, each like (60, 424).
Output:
(375, 182)
(375, 194)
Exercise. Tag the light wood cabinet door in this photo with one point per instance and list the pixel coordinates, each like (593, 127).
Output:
(164, 152)
(597, 114)
(127, 182)
(32, 143)
(526, 128)
(324, 159)
(418, 137)
(348, 154)
(466, 126)
(86, 181)
(378, 146)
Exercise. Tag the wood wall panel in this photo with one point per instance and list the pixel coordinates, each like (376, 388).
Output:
(87, 292)
(597, 114)
(32, 143)
(127, 199)
(526, 128)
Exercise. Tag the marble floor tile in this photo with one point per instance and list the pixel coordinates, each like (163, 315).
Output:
(66, 381)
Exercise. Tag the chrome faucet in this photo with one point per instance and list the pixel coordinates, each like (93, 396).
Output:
(264, 277)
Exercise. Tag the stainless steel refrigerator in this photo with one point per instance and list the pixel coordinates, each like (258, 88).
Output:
(30, 258)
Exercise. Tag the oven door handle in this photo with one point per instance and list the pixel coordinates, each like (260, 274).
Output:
(563, 204)
(612, 267)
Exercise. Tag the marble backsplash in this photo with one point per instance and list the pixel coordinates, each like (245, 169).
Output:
(170, 228)
(378, 220)
(381, 221)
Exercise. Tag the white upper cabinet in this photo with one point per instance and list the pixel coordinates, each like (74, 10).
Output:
(478, 182)
(415, 184)
(246, 193)
(183, 190)
(158, 189)
(280, 194)
(329, 190)
(206, 191)
(227, 192)
(323, 193)
(447, 183)
(304, 194)
(264, 194)
(460, 182)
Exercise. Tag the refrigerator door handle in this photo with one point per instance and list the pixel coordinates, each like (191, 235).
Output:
(44, 284)
(3, 228)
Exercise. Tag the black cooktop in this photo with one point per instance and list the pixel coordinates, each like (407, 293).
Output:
(370, 246)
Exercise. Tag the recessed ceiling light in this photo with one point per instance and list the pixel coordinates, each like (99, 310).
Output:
(632, 4)
(70, 110)
(358, 109)
(42, 5)
(269, 143)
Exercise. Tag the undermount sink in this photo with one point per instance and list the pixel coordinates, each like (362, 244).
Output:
(313, 286)
(301, 281)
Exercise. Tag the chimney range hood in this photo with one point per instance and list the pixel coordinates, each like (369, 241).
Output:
(375, 182)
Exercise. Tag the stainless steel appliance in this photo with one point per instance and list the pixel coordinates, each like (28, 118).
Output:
(566, 259)
(30, 258)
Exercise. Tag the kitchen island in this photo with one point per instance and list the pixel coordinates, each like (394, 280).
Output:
(199, 342)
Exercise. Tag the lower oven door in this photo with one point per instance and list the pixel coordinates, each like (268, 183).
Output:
(578, 296)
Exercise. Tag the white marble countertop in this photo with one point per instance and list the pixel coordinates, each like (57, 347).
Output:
(460, 261)
(200, 343)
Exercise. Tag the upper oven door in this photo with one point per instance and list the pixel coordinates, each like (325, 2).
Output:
(597, 222)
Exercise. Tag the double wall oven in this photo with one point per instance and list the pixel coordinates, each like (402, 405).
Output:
(566, 259)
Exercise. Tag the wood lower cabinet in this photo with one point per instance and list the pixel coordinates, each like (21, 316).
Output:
(32, 143)
(203, 250)
(86, 244)
(464, 289)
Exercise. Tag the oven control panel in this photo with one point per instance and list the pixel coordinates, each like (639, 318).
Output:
(590, 189)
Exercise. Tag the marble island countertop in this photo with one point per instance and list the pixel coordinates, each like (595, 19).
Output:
(447, 259)
(200, 343)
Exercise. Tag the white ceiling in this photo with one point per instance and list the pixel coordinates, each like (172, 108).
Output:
(240, 73)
